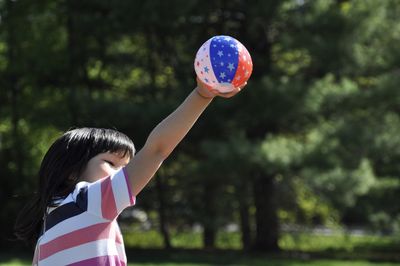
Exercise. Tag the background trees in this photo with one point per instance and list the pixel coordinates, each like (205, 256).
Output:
(312, 140)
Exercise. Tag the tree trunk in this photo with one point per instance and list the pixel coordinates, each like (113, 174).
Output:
(209, 219)
(267, 229)
(209, 236)
(243, 196)
(162, 212)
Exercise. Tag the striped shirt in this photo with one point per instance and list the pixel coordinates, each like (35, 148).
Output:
(83, 229)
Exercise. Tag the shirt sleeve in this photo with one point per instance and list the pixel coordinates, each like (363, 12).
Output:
(109, 196)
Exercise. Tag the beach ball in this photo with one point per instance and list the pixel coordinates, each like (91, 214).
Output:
(223, 63)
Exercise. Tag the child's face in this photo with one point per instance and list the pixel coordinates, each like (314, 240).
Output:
(103, 165)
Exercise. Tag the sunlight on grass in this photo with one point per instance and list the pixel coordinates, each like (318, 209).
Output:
(277, 263)
(242, 262)
(355, 248)
(305, 242)
(15, 262)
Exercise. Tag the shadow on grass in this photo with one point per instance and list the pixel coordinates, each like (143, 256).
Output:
(237, 257)
(231, 257)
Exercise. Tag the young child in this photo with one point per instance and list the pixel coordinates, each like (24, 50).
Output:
(88, 176)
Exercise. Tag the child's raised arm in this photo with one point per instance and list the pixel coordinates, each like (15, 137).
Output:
(167, 135)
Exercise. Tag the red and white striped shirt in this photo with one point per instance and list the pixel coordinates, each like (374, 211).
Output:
(83, 229)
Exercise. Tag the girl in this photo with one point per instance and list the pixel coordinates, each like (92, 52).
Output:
(88, 176)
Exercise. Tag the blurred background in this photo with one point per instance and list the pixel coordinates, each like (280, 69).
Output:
(303, 164)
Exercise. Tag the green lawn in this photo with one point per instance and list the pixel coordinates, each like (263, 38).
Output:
(242, 262)
(275, 263)
(280, 263)
(145, 248)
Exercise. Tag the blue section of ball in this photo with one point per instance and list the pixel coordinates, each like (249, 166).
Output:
(224, 58)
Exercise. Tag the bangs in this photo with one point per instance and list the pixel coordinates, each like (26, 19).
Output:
(99, 140)
(114, 142)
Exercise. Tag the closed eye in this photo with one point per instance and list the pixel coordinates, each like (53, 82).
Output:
(110, 163)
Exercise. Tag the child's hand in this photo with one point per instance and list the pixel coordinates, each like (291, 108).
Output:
(207, 92)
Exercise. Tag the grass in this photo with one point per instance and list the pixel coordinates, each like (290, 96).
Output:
(188, 259)
(304, 242)
(145, 248)
(281, 263)
(339, 242)
(230, 257)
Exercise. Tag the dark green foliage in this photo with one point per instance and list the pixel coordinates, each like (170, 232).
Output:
(313, 139)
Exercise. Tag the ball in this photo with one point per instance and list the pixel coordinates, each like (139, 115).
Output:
(223, 63)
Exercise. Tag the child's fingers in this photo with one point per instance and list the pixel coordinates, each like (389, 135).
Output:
(230, 93)
(242, 86)
(233, 92)
(215, 92)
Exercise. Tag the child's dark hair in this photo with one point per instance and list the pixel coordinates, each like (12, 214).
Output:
(61, 168)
